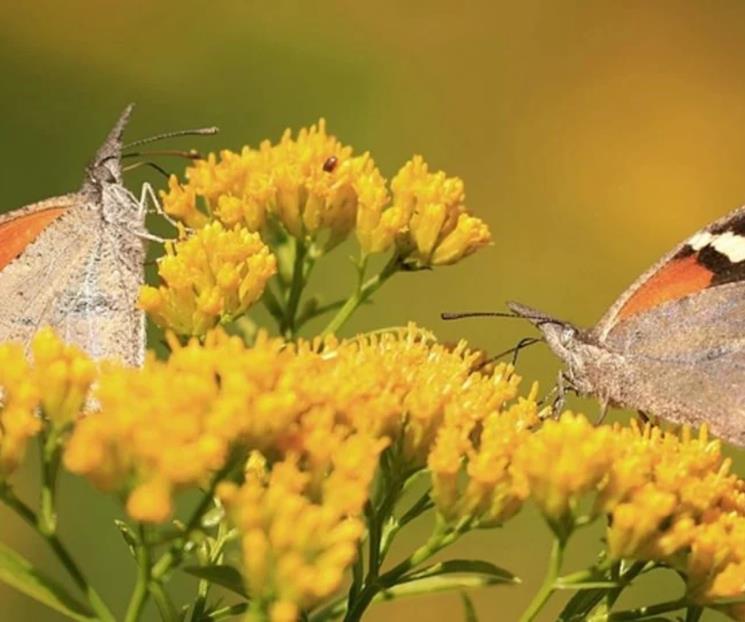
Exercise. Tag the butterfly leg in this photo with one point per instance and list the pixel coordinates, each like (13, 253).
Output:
(148, 193)
(561, 390)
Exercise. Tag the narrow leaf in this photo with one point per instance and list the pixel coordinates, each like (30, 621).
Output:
(469, 611)
(587, 585)
(430, 585)
(18, 572)
(224, 576)
(463, 566)
(224, 612)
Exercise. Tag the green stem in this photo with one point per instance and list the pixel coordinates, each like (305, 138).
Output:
(50, 456)
(363, 292)
(140, 592)
(438, 541)
(173, 556)
(648, 611)
(24, 512)
(549, 582)
(271, 303)
(296, 289)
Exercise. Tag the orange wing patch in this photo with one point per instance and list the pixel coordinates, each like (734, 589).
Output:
(676, 279)
(17, 233)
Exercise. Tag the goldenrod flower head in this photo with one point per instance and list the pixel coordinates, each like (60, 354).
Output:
(563, 461)
(439, 230)
(316, 178)
(19, 398)
(335, 405)
(402, 385)
(659, 487)
(296, 545)
(669, 498)
(317, 189)
(63, 373)
(209, 277)
(177, 438)
(311, 184)
(472, 478)
(378, 222)
(180, 202)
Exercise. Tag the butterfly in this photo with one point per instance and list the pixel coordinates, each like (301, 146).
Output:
(673, 344)
(75, 263)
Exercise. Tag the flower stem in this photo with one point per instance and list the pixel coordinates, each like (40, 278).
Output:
(296, 289)
(438, 541)
(173, 556)
(642, 613)
(24, 512)
(363, 292)
(49, 450)
(549, 582)
(140, 592)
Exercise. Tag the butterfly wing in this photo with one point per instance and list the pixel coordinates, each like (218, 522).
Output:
(681, 332)
(685, 361)
(78, 277)
(711, 258)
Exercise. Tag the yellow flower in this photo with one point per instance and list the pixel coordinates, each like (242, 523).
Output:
(491, 492)
(439, 230)
(318, 190)
(311, 184)
(316, 180)
(64, 374)
(19, 397)
(180, 202)
(211, 276)
(563, 461)
(297, 546)
(378, 222)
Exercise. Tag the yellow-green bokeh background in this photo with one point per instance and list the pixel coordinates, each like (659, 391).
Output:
(591, 136)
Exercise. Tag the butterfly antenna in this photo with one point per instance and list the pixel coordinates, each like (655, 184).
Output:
(152, 165)
(201, 131)
(467, 314)
(191, 154)
(536, 319)
(525, 342)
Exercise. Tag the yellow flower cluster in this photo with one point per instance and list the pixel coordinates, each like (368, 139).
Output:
(64, 374)
(58, 382)
(19, 397)
(317, 189)
(668, 498)
(470, 462)
(283, 399)
(439, 231)
(299, 534)
(211, 276)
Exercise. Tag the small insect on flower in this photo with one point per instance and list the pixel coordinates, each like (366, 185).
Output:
(330, 164)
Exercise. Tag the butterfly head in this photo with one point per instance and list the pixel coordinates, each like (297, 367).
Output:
(106, 167)
(569, 343)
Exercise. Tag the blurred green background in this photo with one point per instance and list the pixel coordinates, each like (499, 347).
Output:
(591, 136)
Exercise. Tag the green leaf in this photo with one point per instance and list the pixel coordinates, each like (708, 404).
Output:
(430, 585)
(224, 612)
(463, 566)
(223, 575)
(18, 572)
(469, 610)
(587, 585)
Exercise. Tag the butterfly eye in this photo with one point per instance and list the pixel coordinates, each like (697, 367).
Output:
(568, 335)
